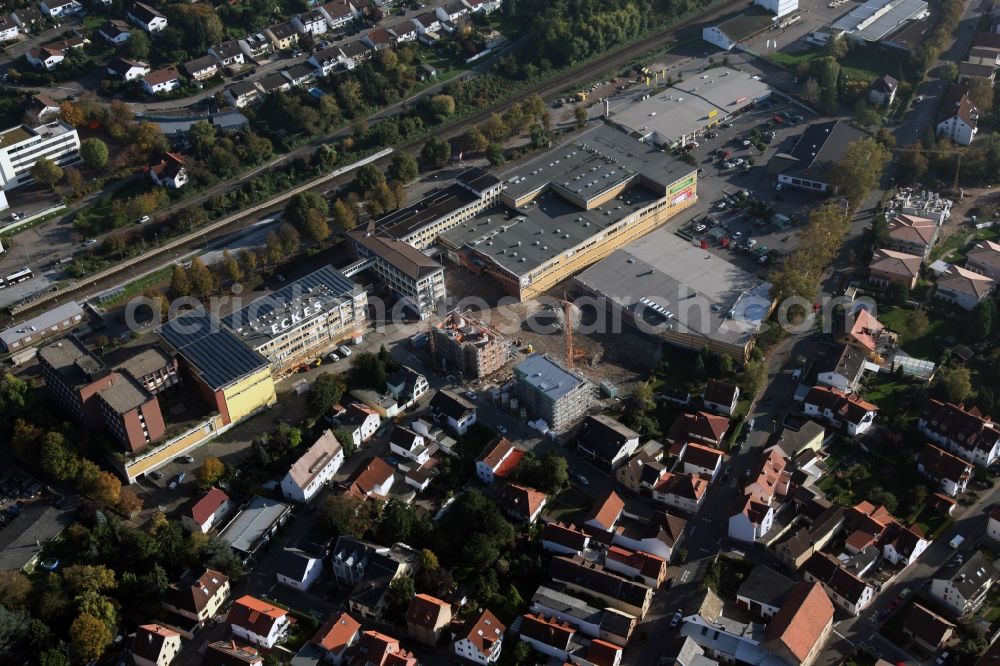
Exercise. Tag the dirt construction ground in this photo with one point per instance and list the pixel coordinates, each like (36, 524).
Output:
(622, 357)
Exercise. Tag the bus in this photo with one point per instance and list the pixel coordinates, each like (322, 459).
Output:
(18, 276)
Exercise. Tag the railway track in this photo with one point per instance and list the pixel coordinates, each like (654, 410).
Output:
(111, 277)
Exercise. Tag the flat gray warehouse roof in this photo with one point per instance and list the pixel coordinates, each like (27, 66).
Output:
(877, 18)
(252, 522)
(704, 294)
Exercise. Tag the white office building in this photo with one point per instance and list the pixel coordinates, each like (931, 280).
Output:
(778, 7)
(22, 146)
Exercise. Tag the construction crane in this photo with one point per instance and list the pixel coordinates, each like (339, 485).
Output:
(571, 352)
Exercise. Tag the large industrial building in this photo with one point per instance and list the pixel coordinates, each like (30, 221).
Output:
(463, 345)
(230, 375)
(679, 114)
(690, 298)
(571, 206)
(101, 397)
(22, 146)
(302, 320)
(553, 393)
(876, 19)
(21, 340)
(414, 278)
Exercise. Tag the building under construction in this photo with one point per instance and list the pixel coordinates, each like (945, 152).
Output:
(551, 392)
(464, 345)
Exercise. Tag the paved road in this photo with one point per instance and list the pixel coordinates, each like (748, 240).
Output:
(922, 114)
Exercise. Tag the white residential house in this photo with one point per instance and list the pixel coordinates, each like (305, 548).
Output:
(339, 13)
(564, 539)
(313, 469)
(258, 622)
(57, 8)
(964, 587)
(962, 287)
(452, 10)
(407, 386)
(700, 459)
(851, 412)
(720, 397)
(993, 526)
(257, 45)
(965, 432)
(682, 491)
(229, 54)
(127, 70)
(298, 569)
(902, 546)
(198, 598)
(162, 80)
(115, 32)
(242, 93)
(606, 441)
(44, 58)
(361, 421)
(454, 411)
(208, 512)
(404, 32)
(882, 91)
(146, 18)
(411, 445)
(326, 60)
(951, 473)
(311, 23)
(497, 460)
(482, 641)
(169, 172)
(959, 119)
(155, 645)
(750, 519)
(9, 29)
(428, 23)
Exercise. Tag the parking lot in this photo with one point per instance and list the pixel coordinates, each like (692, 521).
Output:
(16, 488)
(734, 187)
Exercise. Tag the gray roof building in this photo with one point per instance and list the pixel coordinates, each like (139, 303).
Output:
(29, 333)
(254, 525)
(559, 396)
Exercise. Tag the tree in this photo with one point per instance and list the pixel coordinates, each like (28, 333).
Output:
(436, 152)
(128, 502)
(495, 128)
(210, 472)
(137, 46)
(54, 657)
(367, 371)
(231, 267)
(867, 115)
(753, 377)
(642, 397)
(398, 598)
(581, 115)
(15, 589)
(46, 172)
(403, 167)
(955, 383)
(494, 154)
(106, 488)
(74, 180)
(345, 216)
(57, 460)
(858, 171)
(94, 153)
(202, 136)
(912, 165)
(200, 278)
(346, 439)
(90, 637)
(368, 178)
(72, 114)
(82, 578)
(550, 473)
(917, 324)
(180, 285)
(984, 318)
(290, 240)
(275, 253)
(315, 226)
(345, 515)
(297, 210)
(442, 107)
(13, 629)
(13, 393)
(811, 91)
(326, 392)
(474, 141)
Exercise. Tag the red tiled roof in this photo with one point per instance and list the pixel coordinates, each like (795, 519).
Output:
(647, 563)
(549, 631)
(496, 453)
(255, 615)
(606, 512)
(509, 464)
(802, 620)
(426, 611)
(208, 504)
(521, 500)
(702, 456)
(700, 426)
(722, 393)
(168, 73)
(375, 473)
(565, 535)
(337, 633)
(485, 632)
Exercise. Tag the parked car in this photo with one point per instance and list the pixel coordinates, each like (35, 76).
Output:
(176, 481)
(676, 619)
(156, 475)
(943, 658)
(89, 242)
(502, 429)
(186, 459)
(332, 357)
(344, 351)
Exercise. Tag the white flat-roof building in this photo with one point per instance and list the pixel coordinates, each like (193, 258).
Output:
(255, 524)
(22, 146)
(302, 320)
(671, 288)
(677, 115)
(29, 333)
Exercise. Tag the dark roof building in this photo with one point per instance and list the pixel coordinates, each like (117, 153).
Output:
(807, 166)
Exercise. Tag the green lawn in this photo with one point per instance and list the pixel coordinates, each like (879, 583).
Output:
(568, 504)
(883, 389)
(860, 63)
(140, 284)
(925, 344)
(856, 475)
